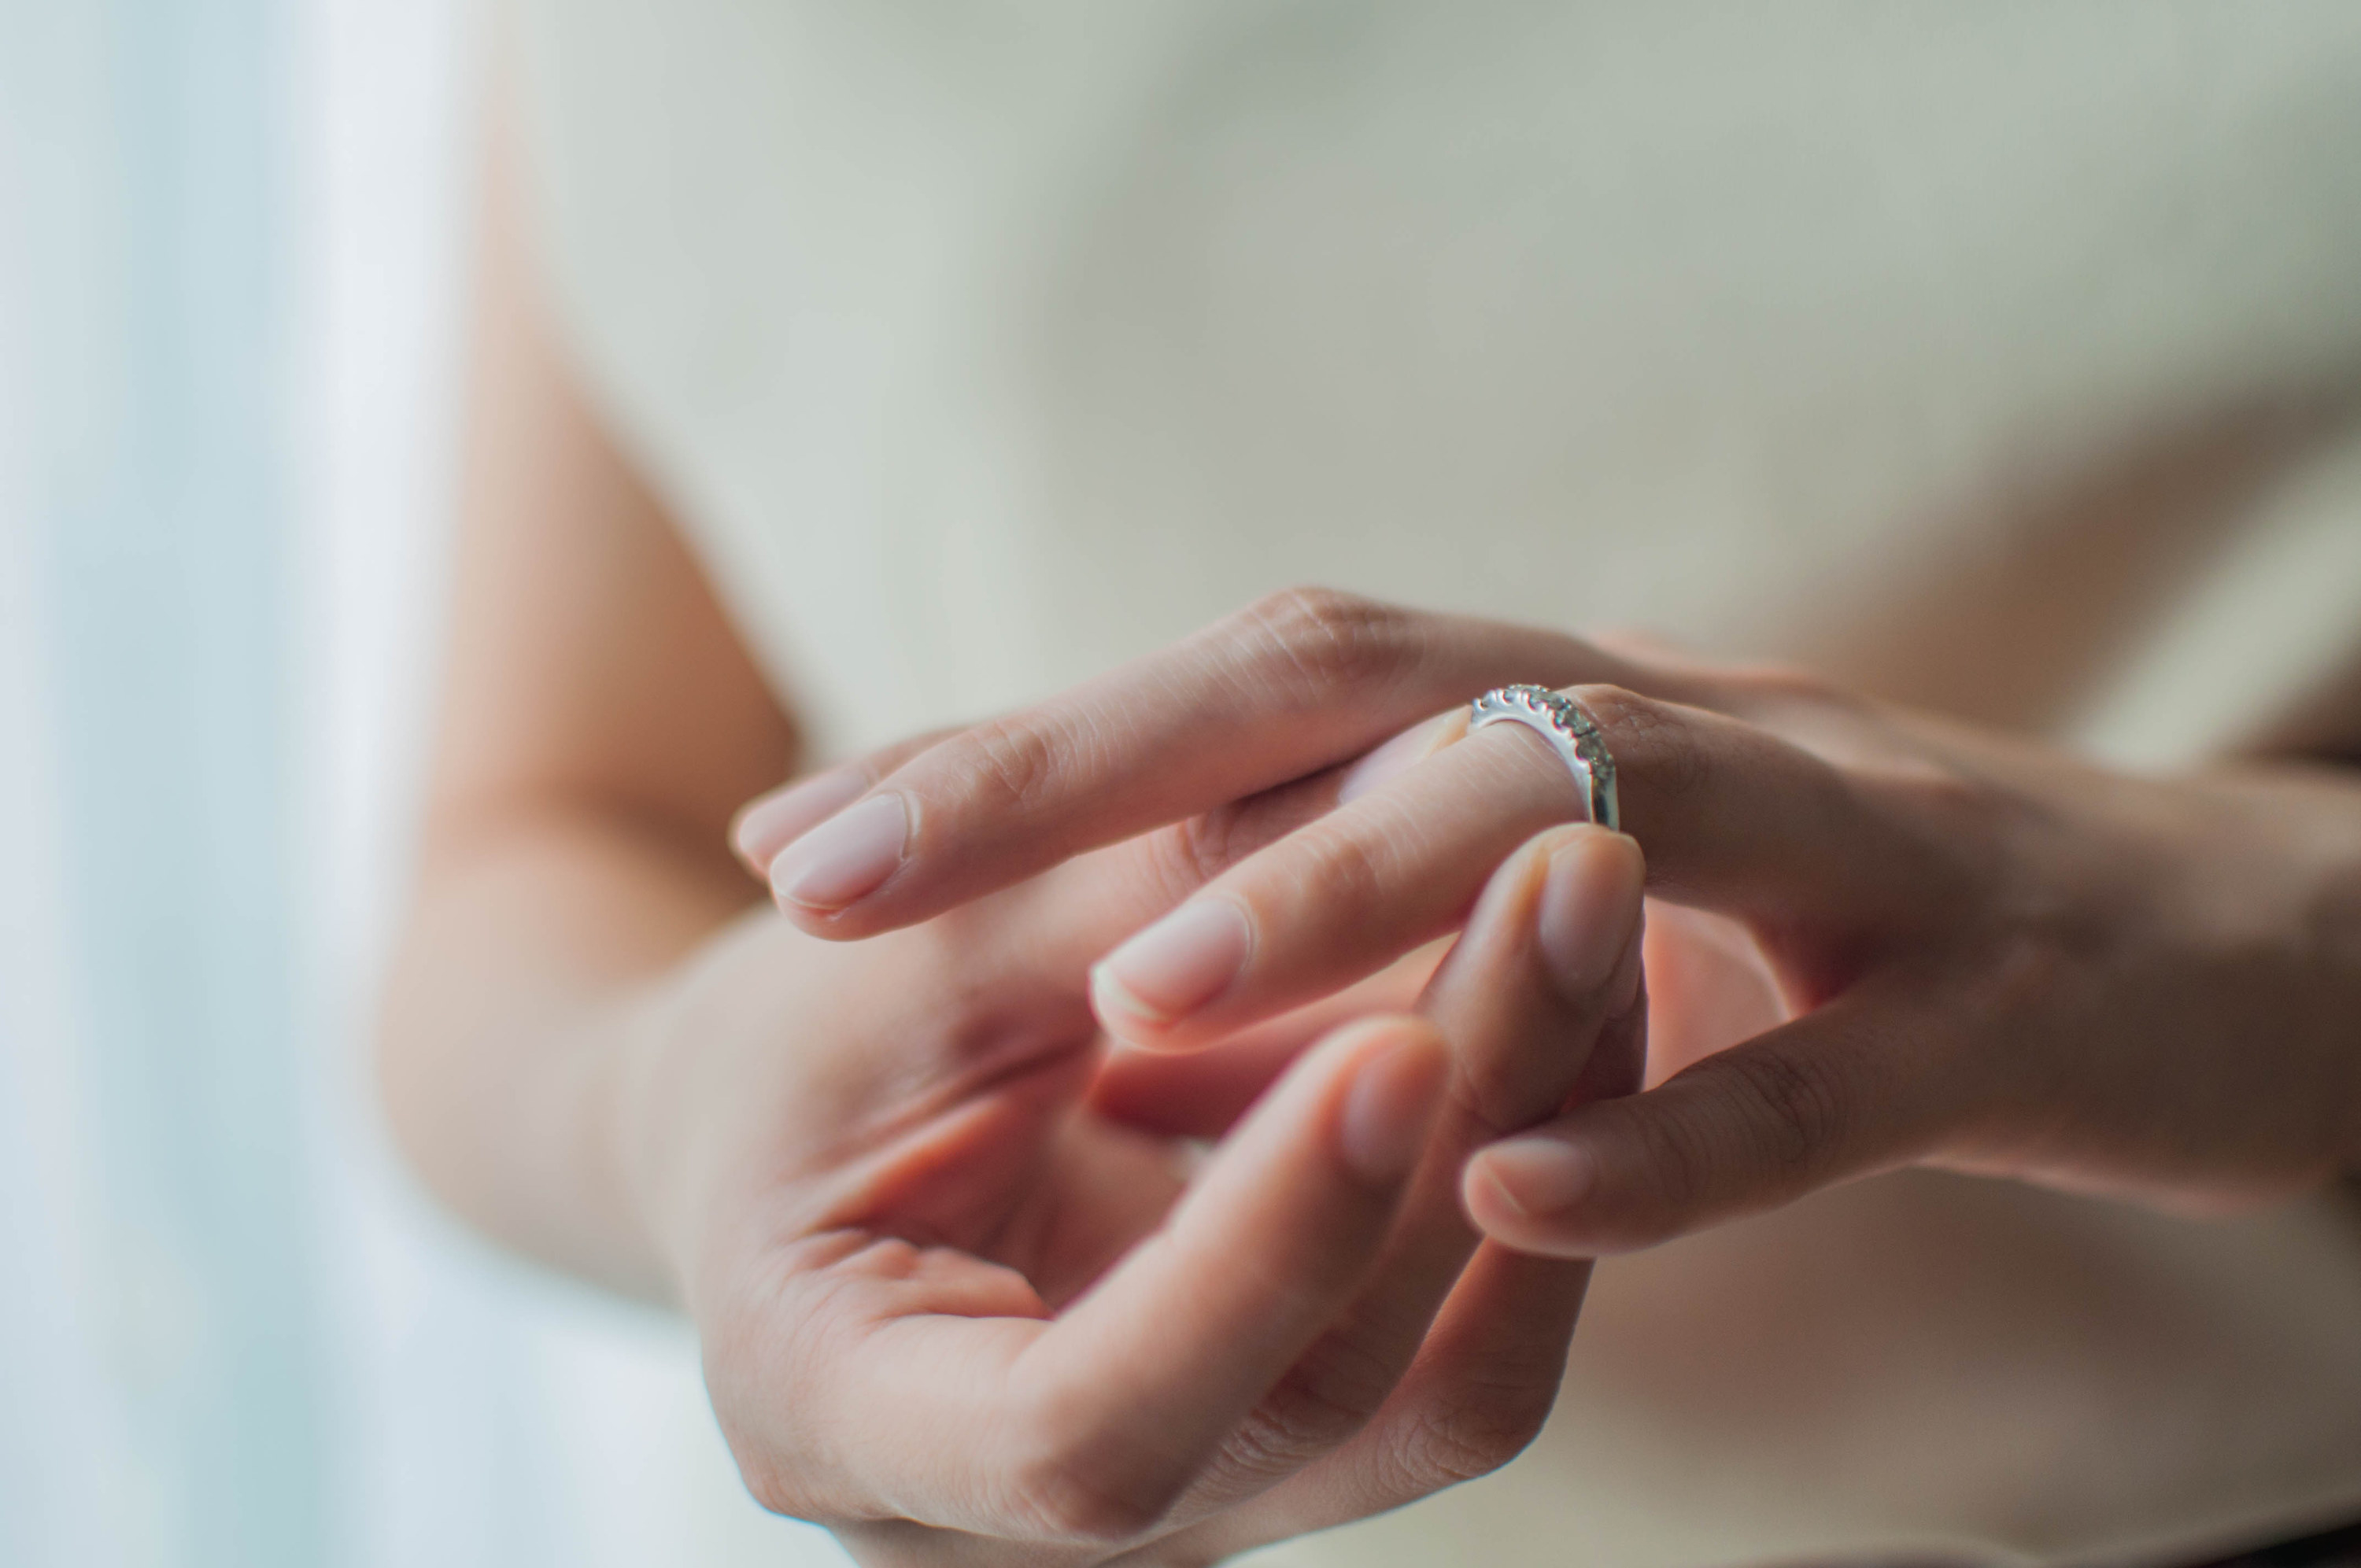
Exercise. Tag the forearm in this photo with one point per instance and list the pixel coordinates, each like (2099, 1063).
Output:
(513, 1039)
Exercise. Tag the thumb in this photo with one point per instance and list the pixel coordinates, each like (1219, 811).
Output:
(1825, 1098)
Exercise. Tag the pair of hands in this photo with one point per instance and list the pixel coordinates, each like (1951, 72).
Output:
(961, 1297)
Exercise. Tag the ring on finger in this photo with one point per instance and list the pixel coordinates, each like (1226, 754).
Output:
(1571, 732)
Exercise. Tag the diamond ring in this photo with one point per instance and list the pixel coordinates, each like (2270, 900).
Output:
(1572, 734)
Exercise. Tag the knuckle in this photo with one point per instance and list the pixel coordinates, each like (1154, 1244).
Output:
(1774, 685)
(745, 1354)
(1473, 1436)
(1963, 806)
(1494, 1090)
(774, 1491)
(1334, 869)
(1015, 761)
(1064, 1477)
(1320, 640)
(1962, 838)
(2044, 963)
(1066, 1502)
(1677, 1158)
(1194, 851)
(1798, 1113)
(1325, 1397)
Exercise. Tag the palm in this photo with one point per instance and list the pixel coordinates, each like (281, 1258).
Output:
(979, 1292)
(1027, 1176)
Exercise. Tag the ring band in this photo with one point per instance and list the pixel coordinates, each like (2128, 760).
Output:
(1572, 734)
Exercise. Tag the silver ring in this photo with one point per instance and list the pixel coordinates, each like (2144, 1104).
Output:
(1572, 734)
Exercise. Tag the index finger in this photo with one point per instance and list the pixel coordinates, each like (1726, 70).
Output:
(1298, 683)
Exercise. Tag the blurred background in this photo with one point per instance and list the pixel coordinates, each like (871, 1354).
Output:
(232, 244)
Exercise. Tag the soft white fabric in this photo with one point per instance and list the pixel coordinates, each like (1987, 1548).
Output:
(1989, 356)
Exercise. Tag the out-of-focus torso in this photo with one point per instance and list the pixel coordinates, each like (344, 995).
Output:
(2000, 357)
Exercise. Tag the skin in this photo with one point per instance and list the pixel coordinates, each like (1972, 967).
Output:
(967, 1290)
(930, 1192)
(1985, 955)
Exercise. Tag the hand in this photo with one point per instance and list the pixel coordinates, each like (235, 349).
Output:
(962, 1311)
(1985, 955)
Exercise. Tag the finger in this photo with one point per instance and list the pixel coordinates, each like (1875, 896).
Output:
(1457, 1359)
(769, 823)
(1472, 1401)
(1830, 1096)
(1497, 1352)
(1483, 1383)
(1551, 952)
(1732, 817)
(1201, 1094)
(1124, 1399)
(1008, 974)
(1299, 683)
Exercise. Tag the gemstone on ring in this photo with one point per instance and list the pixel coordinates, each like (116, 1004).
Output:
(1572, 733)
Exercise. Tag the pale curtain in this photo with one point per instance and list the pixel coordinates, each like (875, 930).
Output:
(231, 1333)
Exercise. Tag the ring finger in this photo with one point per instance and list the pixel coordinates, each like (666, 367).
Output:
(1731, 816)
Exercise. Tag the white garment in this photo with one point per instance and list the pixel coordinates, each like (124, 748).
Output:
(1993, 356)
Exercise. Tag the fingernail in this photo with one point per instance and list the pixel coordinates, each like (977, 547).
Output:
(1389, 762)
(1176, 965)
(1539, 1176)
(1622, 991)
(1382, 1125)
(773, 822)
(1590, 915)
(845, 858)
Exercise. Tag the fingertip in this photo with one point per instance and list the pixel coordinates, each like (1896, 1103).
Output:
(1528, 1187)
(1391, 1097)
(769, 823)
(843, 859)
(1498, 1215)
(1125, 1018)
(1609, 854)
(1587, 923)
(1162, 975)
(1513, 892)
(1558, 1193)
(748, 837)
(1611, 857)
